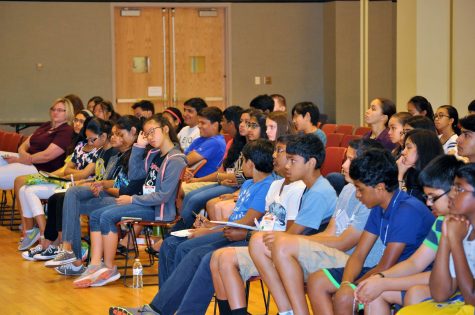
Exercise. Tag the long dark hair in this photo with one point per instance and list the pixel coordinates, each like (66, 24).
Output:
(453, 113)
(261, 120)
(162, 121)
(422, 104)
(233, 114)
(127, 122)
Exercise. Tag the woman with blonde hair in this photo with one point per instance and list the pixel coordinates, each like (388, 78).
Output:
(44, 150)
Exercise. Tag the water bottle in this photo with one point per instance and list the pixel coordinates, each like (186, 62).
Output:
(137, 271)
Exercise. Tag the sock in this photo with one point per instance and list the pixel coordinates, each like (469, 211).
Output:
(223, 306)
(76, 267)
(291, 312)
(239, 311)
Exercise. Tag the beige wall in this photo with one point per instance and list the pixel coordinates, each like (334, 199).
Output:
(435, 52)
(284, 41)
(72, 41)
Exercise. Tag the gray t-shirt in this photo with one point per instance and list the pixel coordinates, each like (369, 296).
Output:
(350, 211)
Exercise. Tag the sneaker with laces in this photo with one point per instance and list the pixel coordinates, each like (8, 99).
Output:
(49, 253)
(32, 236)
(88, 275)
(142, 310)
(62, 258)
(70, 270)
(105, 276)
(32, 252)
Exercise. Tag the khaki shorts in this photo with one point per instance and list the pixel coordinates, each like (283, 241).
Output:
(314, 256)
(247, 269)
(188, 187)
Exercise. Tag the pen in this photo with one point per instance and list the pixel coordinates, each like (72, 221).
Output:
(72, 180)
(198, 216)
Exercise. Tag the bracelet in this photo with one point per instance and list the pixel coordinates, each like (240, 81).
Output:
(217, 178)
(380, 274)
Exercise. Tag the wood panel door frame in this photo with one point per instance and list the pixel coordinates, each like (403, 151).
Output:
(227, 38)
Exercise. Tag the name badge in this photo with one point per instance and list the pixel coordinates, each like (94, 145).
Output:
(267, 222)
(148, 189)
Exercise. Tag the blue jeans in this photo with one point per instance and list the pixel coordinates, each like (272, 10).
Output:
(189, 260)
(105, 219)
(197, 199)
(80, 200)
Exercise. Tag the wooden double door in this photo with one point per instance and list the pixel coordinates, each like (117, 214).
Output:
(168, 55)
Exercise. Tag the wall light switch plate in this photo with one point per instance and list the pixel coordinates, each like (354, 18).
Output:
(257, 80)
(268, 80)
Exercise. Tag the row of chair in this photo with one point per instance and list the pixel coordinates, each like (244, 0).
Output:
(340, 140)
(344, 129)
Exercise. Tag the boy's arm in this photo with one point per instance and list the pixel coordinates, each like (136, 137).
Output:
(416, 263)
(456, 231)
(193, 157)
(390, 257)
(441, 284)
(236, 234)
(345, 241)
(355, 262)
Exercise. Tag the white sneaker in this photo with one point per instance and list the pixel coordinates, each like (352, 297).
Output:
(31, 253)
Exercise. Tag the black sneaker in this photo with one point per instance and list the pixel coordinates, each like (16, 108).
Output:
(29, 254)
(48, 254)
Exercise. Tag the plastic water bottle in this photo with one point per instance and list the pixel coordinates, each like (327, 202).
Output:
(137, 271)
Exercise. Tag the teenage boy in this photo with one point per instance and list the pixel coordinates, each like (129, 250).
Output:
(466, 140)
(305, 116)
(231, 267)
(454, 267)
(210, 145)
(191, 131)
(280, 104)
(295, 256)
(180, 258)
(389, 287)
(143, 109)
(400, 221)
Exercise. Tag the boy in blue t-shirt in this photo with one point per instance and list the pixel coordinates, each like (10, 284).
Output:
(380, 291)
(210, 145)
(400, 221)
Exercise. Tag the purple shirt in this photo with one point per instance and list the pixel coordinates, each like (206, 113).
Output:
(384, 139)
(44, 136)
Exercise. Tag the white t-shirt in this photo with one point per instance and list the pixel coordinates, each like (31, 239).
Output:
(450, 146)
(469, 249)
(187, 135)
(284, 205)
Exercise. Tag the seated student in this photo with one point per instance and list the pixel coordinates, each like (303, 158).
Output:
(264, 102)
(420, 106)
(280, 104)
(392, 286)
(466, 140)
(396, 131)
(181, 257)
(286, 249)
(305, 116)
(191, 131)
(161, 168)
(210, 145)
(143, 109)
(278, 124)
(92, 102)
(400, 221)
(446, 120)
(175, 118)
(295, 257)
(420, 147)
(377, 116)
(452, 278)
(105, 110)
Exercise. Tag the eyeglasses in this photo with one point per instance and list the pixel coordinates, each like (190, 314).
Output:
(91, 140)
(457, 189)
(440, 116)
(58, 110)
(433, 199)
(77, 120)
(252, 125)
(150, 132)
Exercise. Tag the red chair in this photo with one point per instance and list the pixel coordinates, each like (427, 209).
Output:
(11, 142)
(333, 160)
(334, 139)
(3, 135)
(346, 140)
(344, 129)
(361, 131)
(328, 128)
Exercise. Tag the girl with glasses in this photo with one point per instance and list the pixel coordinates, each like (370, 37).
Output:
(446, 121)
